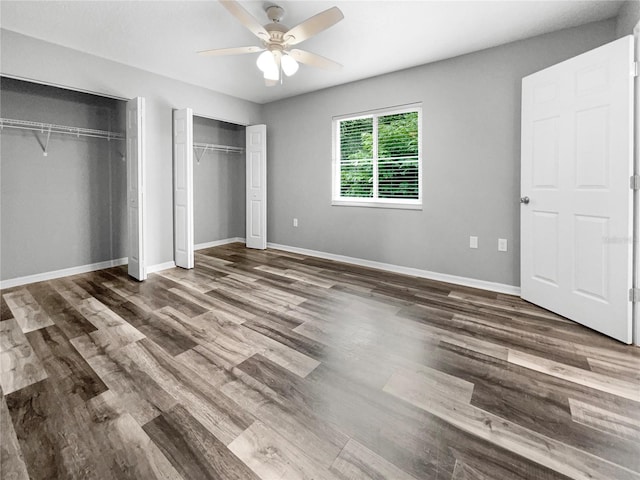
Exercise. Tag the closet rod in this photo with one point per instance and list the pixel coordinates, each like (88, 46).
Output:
(63, 129)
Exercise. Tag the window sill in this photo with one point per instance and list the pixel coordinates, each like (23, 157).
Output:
(376, 204)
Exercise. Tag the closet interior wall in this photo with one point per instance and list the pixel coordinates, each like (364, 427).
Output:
(66, 209)
(218, 182)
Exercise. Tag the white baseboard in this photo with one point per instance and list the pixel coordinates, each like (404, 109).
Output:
(443, 277)
(160, 266)
(217, 243)
(414, 272)
(167, 265)
(65, 272)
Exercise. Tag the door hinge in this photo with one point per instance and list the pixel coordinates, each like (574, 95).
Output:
(636, 69)
(634, 294)
(634, 182)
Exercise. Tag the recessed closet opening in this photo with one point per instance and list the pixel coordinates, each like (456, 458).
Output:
(63, 179)
(218, 182)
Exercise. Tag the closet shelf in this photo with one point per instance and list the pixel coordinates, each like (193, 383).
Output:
(50, 128)
(214, 148)
(219, 148)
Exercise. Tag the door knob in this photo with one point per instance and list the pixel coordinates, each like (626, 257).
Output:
(524, 200)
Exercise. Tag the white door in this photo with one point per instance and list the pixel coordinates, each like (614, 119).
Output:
(183, 187)
(256, 186)
(135, 187)
(577, 152)
(636, 194)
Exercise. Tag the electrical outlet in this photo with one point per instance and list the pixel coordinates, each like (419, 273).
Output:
(473, 242)
(295, 222)
(502, 244)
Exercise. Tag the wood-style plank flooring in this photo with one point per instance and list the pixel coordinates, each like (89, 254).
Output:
(272, 365)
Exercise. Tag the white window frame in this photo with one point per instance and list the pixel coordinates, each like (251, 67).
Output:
(402, 203)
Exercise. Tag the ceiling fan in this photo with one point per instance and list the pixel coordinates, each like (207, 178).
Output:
(277, 55)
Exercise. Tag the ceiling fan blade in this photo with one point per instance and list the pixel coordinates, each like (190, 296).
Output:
(245, 18)
(314, 25)
(270, 83)
(314, 59)
(231, 51)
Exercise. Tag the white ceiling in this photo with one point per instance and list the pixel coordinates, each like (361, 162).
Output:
(375, 37)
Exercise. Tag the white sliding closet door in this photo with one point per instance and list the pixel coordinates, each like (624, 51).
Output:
(135, 187)
(257, 186)
(183, 187)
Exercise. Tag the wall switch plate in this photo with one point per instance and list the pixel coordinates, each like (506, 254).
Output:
(502, 244)
(473, 242)
(295, 222)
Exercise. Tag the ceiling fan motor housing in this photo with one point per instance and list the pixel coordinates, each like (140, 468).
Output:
(276, 30)
(275, 13)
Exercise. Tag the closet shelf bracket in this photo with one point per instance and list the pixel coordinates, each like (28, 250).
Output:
(46, 145)
(199, 157)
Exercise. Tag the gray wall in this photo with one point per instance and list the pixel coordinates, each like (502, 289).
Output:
(66, 209)
(628, 18)
(471, 164)
(218, 182)
(30, 58)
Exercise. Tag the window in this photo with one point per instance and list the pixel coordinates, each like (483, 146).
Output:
(378, 159)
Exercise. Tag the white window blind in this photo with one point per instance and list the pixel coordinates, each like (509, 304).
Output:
(377, 159)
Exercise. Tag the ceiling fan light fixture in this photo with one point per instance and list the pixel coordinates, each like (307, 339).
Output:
(266, 61)
(272, 73)
(289, 65)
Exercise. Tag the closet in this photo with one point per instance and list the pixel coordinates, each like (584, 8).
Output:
(63, 182)
(219, 184)
(218, 181)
